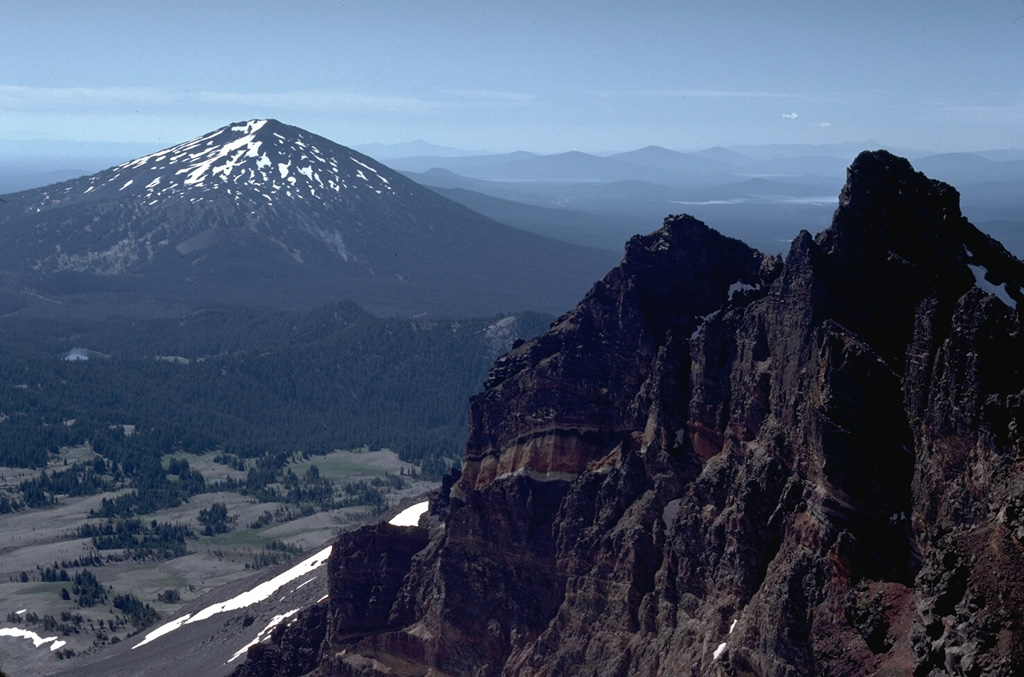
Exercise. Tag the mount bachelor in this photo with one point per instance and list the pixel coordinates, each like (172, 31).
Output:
(263, 213)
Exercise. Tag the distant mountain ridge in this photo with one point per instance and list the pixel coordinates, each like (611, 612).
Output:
(712, 164)
(387, 151)
(641, 186)
(263, 213)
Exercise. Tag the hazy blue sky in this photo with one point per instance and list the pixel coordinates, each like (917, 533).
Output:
(542, 76)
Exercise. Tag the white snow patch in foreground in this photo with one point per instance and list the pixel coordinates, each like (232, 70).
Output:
(998, 290)
(732, 627)
(738, 287)
(719, 651)
(35, 639)
(257, 594)
(410, 517)
(274, 622)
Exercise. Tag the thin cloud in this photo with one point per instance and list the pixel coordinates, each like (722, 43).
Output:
(824, 124)
(697, 94)
(15, 97)
(491, 96)
(84, 99)
(323, 101)
(790, 116)
(728, 94)
(1009, 114)
(27, 98)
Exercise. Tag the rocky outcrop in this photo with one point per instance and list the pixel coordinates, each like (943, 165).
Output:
(558, 404)
(293, 649)
(723, 463)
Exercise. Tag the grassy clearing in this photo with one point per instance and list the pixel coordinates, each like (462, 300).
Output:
(10, 478)
(342, 466)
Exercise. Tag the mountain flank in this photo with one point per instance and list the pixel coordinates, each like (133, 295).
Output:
(726, 463)
(262, 213)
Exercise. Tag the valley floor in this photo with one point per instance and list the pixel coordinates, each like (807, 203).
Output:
(49, 609)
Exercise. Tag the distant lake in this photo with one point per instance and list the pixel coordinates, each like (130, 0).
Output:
(76, 354)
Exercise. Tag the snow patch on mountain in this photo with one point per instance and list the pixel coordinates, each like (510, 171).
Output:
(981, 281)
(240, 155)
(33, 637)
(254, 596)
(410, 517)
(249, 127)
(264, 633)
(740, 287)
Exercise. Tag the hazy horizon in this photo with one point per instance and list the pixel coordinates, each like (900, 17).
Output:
(499, 77)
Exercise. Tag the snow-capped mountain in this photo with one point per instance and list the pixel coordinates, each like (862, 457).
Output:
(244, 156)
(263, 212)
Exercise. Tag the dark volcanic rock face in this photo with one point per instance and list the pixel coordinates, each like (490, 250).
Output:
(720, 463)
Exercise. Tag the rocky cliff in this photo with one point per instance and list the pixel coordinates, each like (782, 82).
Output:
(725, 463)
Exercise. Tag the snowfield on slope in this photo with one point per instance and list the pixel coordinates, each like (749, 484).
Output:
(257, 594)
